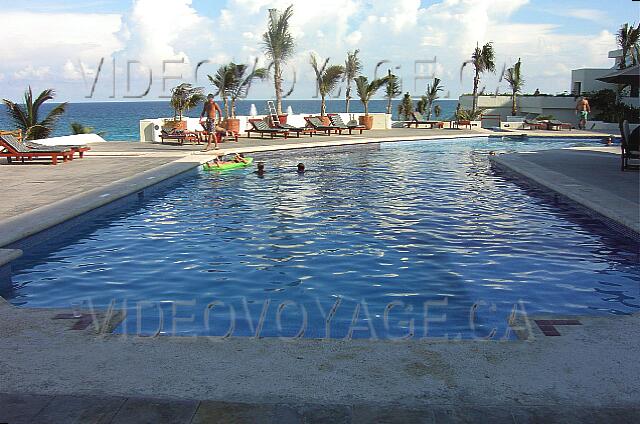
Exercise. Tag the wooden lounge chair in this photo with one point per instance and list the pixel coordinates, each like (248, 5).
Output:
(13, 149)
(261, 127)
(534, 125)
(461, 122)
(336, 121)
(315, 123)
(17, 134)
(274, 122)
(418, 119)
(178, 135)
(558, 125)
(75, 148)
(630, 146)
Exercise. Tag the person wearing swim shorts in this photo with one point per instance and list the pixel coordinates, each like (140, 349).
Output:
(210, 116)
(582, 110)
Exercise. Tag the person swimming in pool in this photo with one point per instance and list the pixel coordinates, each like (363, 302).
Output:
(301, 168)
(260, 171)
(239, 158)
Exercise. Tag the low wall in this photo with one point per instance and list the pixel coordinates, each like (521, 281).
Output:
(150, 128)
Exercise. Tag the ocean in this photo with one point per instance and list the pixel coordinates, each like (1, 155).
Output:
(120, 120)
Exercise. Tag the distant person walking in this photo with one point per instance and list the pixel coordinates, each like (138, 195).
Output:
(210, 112)
(582, 110)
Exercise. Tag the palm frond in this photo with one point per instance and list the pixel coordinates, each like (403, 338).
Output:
(331, 77)
(17, 115)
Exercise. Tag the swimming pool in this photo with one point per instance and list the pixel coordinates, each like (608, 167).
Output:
(389, 240)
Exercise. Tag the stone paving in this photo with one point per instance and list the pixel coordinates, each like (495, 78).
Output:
(19, 409)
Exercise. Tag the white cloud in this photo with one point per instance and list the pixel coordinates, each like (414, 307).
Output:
(59, 46)
(587, 14)
(31, 72)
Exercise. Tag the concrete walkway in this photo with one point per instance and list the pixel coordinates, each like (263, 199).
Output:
(589, 176)
(559, 373)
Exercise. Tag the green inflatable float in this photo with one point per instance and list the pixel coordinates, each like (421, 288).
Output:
(209, 166)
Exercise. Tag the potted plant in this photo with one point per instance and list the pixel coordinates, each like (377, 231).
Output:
(366, 90)
(327, 77)
(184, 97)
(238, 87)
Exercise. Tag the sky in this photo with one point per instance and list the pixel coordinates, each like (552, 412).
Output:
(148, 46)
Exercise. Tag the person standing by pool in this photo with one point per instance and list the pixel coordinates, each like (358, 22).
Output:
(583, 109)
(213, 114)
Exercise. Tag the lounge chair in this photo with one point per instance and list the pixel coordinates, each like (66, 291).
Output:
(558, 125)
(534, 125)
(261, 127)
(75, 148)
(275, 123)
(630, 146)
(12, 148)
(336, 121)
(418, 119)
(315, 123)
(461, 122)
(17, 134)
(178, 135)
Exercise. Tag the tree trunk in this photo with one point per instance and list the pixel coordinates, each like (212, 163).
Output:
(277, 82)
(233, 108)
(475, 92)
(429, 111)
(225, 105)
(366, 109)
(348, 96)
(323, 106)
(389, 106)
(513, 104)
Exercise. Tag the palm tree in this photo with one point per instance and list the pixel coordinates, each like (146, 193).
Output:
(366, 90)
(241, 81)
(223, 81)
(405, 108)
(78, 128)
(25, 116)
(279, 46)
(352, 68)
(515, 80)
(432, 95)
(421, 106)
(437, 110)
(468, 114)
(392, 90)
(185, 97)
(327, 77)
(482, 60)
(628, 39)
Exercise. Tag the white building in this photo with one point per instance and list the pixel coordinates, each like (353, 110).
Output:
(497, 109)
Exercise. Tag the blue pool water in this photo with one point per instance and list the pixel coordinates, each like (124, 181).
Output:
(386, 240)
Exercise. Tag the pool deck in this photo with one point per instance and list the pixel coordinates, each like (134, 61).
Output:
(582, 372)
(589, 176)
(67, 370)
